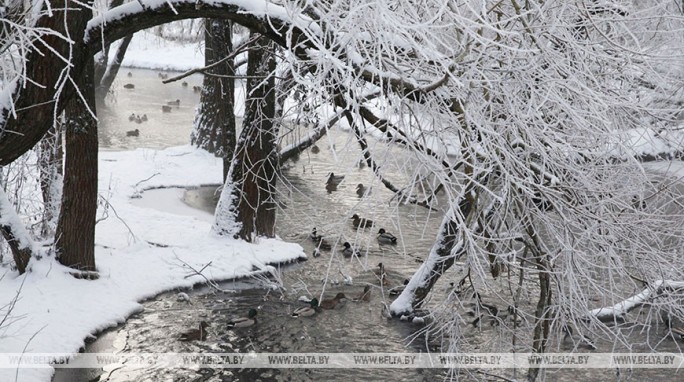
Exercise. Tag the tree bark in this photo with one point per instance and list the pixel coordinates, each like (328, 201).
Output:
(50, 158)
(15, 233)
(256, 159)
(214, 128)
(75, 236)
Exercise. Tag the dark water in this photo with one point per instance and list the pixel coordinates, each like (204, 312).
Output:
(303, 203)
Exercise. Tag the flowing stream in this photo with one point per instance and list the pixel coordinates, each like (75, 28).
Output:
(303, 203)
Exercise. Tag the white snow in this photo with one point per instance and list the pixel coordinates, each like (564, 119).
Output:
(59, 311)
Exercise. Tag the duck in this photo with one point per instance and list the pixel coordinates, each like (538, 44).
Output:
(144, 118)
(133, 133)
(385, 237)
(166, 109)
(315, 149)
(307, 311)
(195, 334)
(243, 322)
(361, 190)
(334, 302)
(174, 103)
(131, 117)
(677, 332)
(380, 272)
(334, 179)
(138, 119)
(197, 89)
(580, 341)
(359, 222)
(348, 250)
(319, 240)
(129, 86)
(365, 296)
(396, 291)
(130, 74)
(184, 84)
(163, 76)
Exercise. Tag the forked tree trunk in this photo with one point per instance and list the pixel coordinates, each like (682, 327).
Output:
(214, 128)
(254, 167)
(75, 236)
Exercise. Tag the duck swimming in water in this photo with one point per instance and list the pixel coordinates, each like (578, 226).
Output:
(195, 334)
(307, 311)
(385, 237)
(359, 222)
(243, 322)
(334, 302)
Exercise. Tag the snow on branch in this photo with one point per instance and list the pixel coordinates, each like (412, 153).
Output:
(623, 307)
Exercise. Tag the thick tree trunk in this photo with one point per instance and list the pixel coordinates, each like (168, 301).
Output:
(75, 237)
(47, 78)
(214, 128)
(256, 158)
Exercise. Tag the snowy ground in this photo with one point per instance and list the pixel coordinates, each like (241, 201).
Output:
(56, 312)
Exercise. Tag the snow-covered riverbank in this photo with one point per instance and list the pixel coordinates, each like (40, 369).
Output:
(55, 312)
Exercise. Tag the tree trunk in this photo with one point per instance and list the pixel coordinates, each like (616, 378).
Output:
(50, 157)
(256, 159)
(105, 75)
(15, 233)
(214, 128)
(75, 237)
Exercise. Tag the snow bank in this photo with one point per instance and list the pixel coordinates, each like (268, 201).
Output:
(59, 311)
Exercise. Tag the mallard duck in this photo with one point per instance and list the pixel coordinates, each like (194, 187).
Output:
(130, 74)
(184, 84)
(580, 341)
(307, 311)
(315, 149)
(360, 190)
(195, 334)
(144, 118)
(244, 322)
(334, 302)
(163, 76)
(359, 222)
(385, 237)
(129, 86)
(166, 109)
(396, 291)
(131, 117)
(365, 296)
(138, 119)
(348, 250)
(174, 103)
(334, 179)
(133, 133)
(196, 89)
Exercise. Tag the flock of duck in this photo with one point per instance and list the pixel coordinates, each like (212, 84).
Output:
(165, 108)
(314, 306)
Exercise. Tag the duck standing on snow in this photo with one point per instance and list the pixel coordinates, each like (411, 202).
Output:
(196, 334)
(385, 237)
(359, 222)
(334, 302)
(307, 311)
(244, 322)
